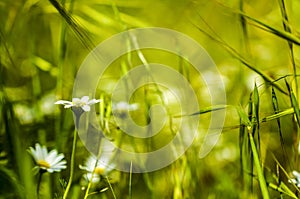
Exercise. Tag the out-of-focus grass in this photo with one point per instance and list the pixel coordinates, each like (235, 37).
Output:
(44, 42)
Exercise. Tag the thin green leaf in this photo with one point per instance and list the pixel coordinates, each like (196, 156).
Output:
(243, 116)
(282, 188)
(71, 21)
(276, 110)
(296, 107)
(259, 170)
(239, 57)
(256, 115)
(283, 34)
(294, 103)
(206, 110)
(278, 115)
(287, 28)
(256, 104)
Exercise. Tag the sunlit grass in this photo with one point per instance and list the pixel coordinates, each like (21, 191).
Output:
(43, 43)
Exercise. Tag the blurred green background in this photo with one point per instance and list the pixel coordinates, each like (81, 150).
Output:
(252, 42)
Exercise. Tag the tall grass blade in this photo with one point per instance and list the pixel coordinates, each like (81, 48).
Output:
(294, 103)
(243, 116)
(259, 170)
(249, 150)
(283, 34)
(78, 30)
(286, 25)
(239, 57)
(130, 182)
(242, 141)
(276, 111)
(205, 110)
(255, 121)
(245, 150)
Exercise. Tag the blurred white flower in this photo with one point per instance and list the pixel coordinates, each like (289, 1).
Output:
(24, 113)
(121, 109)
(100, 168)
(295, 180)
(45, 161)
(83, 103)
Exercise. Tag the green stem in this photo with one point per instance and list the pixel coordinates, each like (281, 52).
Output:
(90, 181)
(130, 181)
(93, 173)
(38, 184)
(88, 187)
(261, 178)
(72, 165)
(112, 190)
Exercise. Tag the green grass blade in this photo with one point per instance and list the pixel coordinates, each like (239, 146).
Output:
(282, 188)
(259, 170)
(294, 103)
(283, 34)
(78, 30)
(255, 121)
(276, 111)
(256, 104)
(205, 110)
(286, 112)
(296, 107)
(244, 117)
(287, 28)
(239, 57)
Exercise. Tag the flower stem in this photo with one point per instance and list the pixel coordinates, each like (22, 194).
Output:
(72, 165)
(93, 173)
(38, 184)
(112, 190)
(89, 186)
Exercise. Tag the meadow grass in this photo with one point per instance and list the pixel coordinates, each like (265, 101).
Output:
(43, 44)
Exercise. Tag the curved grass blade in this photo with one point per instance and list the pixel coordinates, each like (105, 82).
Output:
(283, 34)
(78, 30)
(205, 110)
(259, 170)
(294, 103)
(286, 112)
(256, 115)
(287, 28)
(239, 57)
(276, 111)
(296, 107)
(282, 188)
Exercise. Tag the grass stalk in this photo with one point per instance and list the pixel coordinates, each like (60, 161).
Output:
(233, 52)
(71, 165)
(130, 182)
(260, 174)
(112, 190)
(287, 28)
(39, 184)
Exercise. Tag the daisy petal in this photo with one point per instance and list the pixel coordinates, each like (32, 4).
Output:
(85, 99)
(64, 102)
(86, 108)
(93, 101)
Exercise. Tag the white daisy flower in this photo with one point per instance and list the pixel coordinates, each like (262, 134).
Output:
(102, 168)
(50, 162)
(83, 103)
(295, 180)
(121, 109)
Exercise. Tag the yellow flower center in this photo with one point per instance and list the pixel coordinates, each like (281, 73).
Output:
(43, 164)
(99, 170)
